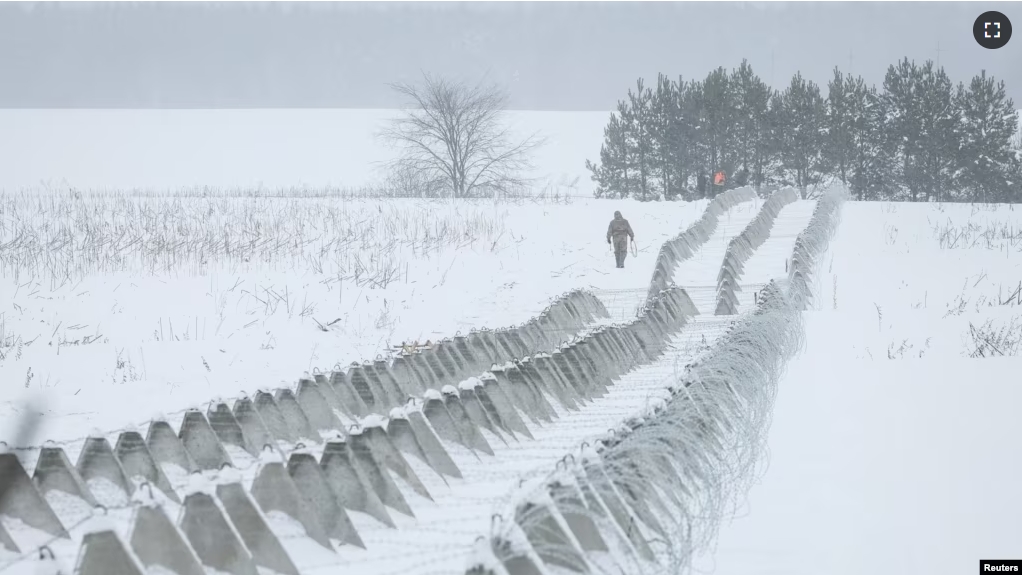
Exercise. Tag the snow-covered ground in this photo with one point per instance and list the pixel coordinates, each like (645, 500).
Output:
(893, 437)
(164, 332)
(438, 540)
(770, 261)
(891, 441)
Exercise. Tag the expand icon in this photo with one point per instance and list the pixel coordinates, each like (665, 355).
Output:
(992, 30)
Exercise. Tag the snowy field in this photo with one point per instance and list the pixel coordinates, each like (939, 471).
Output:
(894, 435)
(275, 288)
(246, 149)
(439, 538)
(890, 442)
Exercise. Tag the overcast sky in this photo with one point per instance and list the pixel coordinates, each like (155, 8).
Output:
(552, 55)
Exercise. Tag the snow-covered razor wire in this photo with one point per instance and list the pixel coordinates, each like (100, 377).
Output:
(744, 245)
(649, 496)
(677, 250)
(319, 450)
(813, 242)
(658, 487)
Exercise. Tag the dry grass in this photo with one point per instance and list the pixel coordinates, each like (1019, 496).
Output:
(62, 237)
(991, 234)
(995, 338)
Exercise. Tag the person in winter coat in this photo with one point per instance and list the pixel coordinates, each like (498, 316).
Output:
(619, 232)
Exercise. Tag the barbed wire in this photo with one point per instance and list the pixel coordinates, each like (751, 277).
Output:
(617, 414)
(782, 335)
(253, 463)
(337, 367)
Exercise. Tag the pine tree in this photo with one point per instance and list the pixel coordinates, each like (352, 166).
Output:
(802, 134)
(988, 124)
(768, 162)
(629, 146)
(718, 125)
(683, 138)
(695, 128)
(918, 138)
(640, 140)
(938, 139)
(752, 97)
(872, 153)
(664, 115)
(611, 175)
(839, 142)
(698, 141)
(904, 122)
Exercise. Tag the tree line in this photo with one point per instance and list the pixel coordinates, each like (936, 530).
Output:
(917, 138)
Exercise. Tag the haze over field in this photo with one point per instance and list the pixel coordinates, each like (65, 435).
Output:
(242, 332)
(553, 55)
(171, 149)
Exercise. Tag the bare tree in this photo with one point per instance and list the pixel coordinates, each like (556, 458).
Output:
(454, 133)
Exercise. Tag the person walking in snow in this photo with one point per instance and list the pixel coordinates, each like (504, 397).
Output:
(619, 232)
